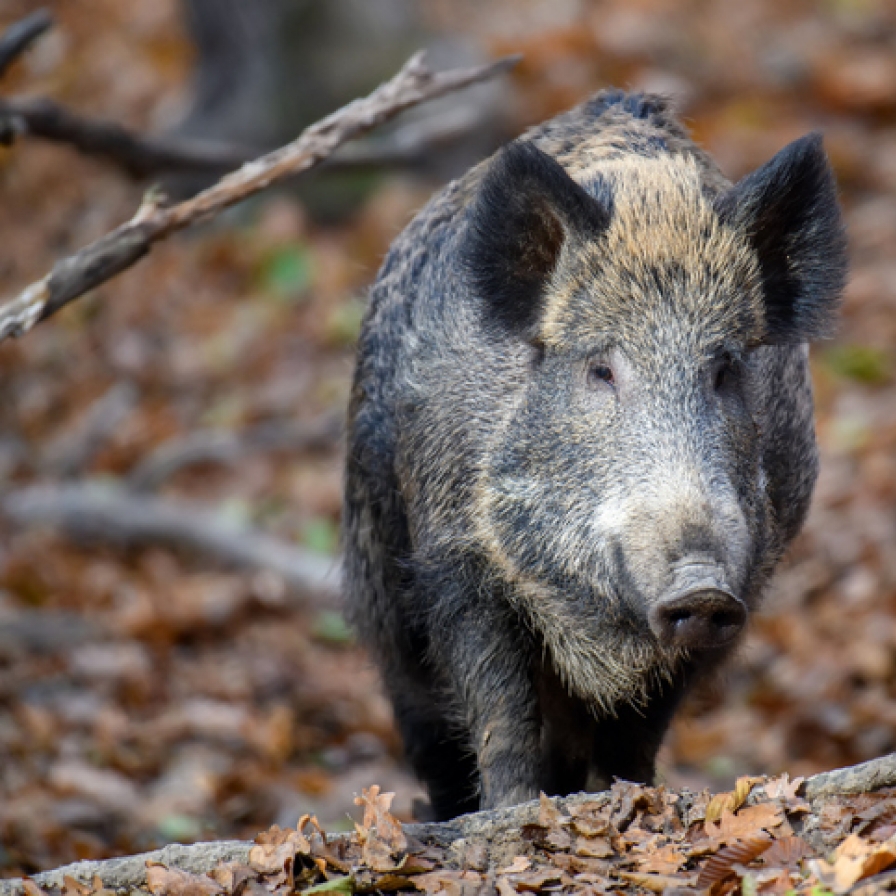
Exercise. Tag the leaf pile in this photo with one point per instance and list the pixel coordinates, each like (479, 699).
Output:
(760, 838)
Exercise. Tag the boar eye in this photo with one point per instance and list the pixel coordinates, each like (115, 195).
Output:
(724, 372)
(600, 375)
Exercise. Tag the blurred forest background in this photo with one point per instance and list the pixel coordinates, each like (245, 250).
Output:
(149, 693)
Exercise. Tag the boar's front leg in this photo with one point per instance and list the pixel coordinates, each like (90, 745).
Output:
(625, 745)
(488, 659)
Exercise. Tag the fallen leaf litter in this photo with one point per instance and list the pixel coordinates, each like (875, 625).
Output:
(762, 837)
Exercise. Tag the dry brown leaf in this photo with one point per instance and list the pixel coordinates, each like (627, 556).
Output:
(276, 848)
(747, 822)
(580, 864)
(594, 847)
(593, 810)
(558, 840)
(721, 865)
(720, 803)
(377, 817)
(629, 799)
(412, 864)
(782, 788)
(548, 813)
(504, 887)
(787, 852)
(731, 801)
(72, 887)
(174, 882)
(452, 883)
(666, 860)
(590, 825)
(380, 883)
(636, 836)
(518, 865)
(377, 855)
(31, 888)
(98, 887)
(881, 814)
(657, 883)
(704, 847)
(854, 860)
(778, 883)
(535, 881)
(383, 841)
(231, 874)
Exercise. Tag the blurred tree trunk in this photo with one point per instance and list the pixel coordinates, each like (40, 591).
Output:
(267, 68)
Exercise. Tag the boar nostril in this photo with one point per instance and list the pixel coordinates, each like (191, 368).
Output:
(700, 620)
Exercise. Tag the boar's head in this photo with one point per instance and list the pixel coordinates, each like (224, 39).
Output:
(624, 498)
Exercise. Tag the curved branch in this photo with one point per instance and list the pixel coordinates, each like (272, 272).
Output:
(118, 250)
(137, 156)
(19, 36)
(146, 156)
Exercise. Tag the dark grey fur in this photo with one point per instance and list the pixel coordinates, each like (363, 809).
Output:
(582, 397)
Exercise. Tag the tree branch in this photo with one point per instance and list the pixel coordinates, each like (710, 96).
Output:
(118, 250)
(143, 157)
(93, 511)
(137, 156)
(19, 36)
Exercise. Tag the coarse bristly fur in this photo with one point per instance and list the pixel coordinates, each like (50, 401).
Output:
(582, 392)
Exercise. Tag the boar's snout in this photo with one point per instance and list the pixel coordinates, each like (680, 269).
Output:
(701, 617)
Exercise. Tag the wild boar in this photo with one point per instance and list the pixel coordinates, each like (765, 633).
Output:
(580, 439)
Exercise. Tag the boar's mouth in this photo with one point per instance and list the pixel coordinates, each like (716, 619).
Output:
(698, 613)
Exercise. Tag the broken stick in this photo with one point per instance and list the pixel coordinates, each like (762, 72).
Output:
(121, 248)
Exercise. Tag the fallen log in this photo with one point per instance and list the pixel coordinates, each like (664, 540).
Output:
(494, 851)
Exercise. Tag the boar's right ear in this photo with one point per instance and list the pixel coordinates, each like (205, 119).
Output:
(526, 209)
(789, 212)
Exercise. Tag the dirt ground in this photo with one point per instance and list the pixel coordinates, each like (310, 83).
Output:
(149, 695)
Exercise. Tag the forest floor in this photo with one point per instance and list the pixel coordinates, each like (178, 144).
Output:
(148, 695)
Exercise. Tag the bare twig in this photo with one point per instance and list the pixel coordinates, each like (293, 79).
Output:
(142, 156)
(125, 245)
(411, 144)
(19, 36)
(217, 446)
(97, 511)
(137, 156)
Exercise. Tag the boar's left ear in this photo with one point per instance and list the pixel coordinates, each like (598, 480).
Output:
(526, 208)
(789, 210)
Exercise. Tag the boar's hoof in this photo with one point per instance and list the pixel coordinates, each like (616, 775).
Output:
(703, 619)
